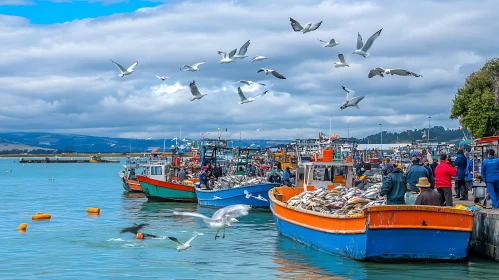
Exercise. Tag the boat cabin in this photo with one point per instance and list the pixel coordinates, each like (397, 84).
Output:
(327, 175)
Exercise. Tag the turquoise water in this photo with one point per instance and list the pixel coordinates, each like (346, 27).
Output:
(73, 245)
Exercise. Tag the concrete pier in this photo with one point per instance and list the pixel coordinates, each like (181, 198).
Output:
(485, 236)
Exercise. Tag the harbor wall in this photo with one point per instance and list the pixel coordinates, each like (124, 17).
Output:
(485, 235)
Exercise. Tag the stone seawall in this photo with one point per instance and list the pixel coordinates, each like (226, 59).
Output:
(485, 234)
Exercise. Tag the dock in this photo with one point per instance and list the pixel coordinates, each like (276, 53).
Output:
(94, 159)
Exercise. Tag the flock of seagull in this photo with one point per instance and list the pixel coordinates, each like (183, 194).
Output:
(351, 100)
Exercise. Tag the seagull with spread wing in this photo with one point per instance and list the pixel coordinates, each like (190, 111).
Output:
(227, 59)
(193, 68)
(183, 246)
(258, 58)
(124, 71)
(162, 78)
(244, 99)
(329, 44)
(250, 82)
(363, 49)
(195, 92)
(342, 62)
(401, 72)
(376, 71)
(351, 101)
(242, 51)
(222, 218)
(308, 28)
(270, 71)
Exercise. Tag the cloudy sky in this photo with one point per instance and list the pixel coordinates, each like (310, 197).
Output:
(56, 74)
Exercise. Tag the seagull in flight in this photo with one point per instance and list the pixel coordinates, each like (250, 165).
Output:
(222, 218)
(342, 62)
(363, 49)
(225, 59)
(242, 51)
(183, 246)
(401, 72)
(135, 228)
(124, 71)
(351, 101)
(250, 82)
(193, 68)
(376, 71)
(248, 100)
(162, 78)
(309, 27)
(270, 71)
(329, 44)
(195, 92)
(258, 58)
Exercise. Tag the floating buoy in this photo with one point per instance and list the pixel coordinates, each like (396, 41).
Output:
(41, 216)
(139, 235)
(22, 227)
(93, 211)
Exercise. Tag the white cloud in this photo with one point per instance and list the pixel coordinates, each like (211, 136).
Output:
(59, 78)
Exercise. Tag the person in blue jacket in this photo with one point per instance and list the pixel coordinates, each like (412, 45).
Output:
(461, 162)
(490, 175)
(416, 171)
(203, 178)
(426, 164)
(394, 185)
(286, 177)
(469, 172)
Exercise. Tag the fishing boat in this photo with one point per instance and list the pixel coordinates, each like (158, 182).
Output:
(159, 184)
(378, 233)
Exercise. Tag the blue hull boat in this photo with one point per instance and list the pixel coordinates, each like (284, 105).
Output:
(257, 196)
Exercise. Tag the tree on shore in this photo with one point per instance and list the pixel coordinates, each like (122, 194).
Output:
(476, 104)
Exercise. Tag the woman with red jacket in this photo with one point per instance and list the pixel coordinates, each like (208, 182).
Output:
(443, 180)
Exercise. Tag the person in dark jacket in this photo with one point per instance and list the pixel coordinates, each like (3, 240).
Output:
(394, 185)
(469, 173)
(490, 175)
(460, 186)
(416, 171)
(431, 179)
(427, 195)
(275, 178)
(217, 171)
(434, 165)
(203, 178)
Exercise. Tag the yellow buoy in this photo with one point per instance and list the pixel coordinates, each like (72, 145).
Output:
(93, 211)
(41, 216)
(22, 227)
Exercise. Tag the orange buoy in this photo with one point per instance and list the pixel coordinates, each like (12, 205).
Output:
(93, 211)
(22, 227)
(139, 235)
(41, 216)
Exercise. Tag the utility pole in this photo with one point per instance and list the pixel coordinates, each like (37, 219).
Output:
(381, 140)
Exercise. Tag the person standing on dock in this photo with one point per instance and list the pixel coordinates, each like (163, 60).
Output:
(434, 165)
(426, 164)
(460, 186)
(490, 175)
(416, 171)
(427, 196)
(394, 185)
(443, 180)
(469, 173)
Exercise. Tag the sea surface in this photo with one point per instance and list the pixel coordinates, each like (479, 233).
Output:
(73, 245)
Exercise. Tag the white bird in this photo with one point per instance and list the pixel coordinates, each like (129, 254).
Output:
(363, 49)
(351, 101)
(222, 218)
(248, 100)
(247, 194)
(183, 246)
(259, 197)
(123, 70)
(195, 92)
(227, 59)
(242, 51)
(401, 72)
(270, 71)
(342, 62)
(376, 71)
(193, 68)
(162, 78)
(329, 44)
(309, 27)
(250, 82)
(258, 58)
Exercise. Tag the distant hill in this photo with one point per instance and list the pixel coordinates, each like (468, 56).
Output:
(437, 134)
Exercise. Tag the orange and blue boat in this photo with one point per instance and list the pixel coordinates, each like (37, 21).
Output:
(378, 233)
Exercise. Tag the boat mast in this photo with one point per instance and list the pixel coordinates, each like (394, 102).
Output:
(164, 143)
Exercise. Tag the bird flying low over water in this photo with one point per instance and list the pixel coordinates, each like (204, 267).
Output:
(342, 62)
(250, 82)
(193, 68)
(195, 92)
(162, 78)
(376, 71)
(242, 51)
(124, 71)
(270, 71)
(258, 58)
(248, 100)
(227, 59)
(329, 44)
(363, 49)
(309, 27)
(351, 101)
(135, 228)
(183, 246)
(222, 218)
(401, 72)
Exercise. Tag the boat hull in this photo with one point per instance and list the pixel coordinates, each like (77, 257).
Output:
(380, 233)
(156, 190)
(131, 185)
(227, 197)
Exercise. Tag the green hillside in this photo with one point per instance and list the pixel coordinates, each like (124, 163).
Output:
(437, 134)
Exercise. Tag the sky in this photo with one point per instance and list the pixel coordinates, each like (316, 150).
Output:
(56, 73)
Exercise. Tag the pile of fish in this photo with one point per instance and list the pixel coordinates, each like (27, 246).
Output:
(338, 201)
(236, 181)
